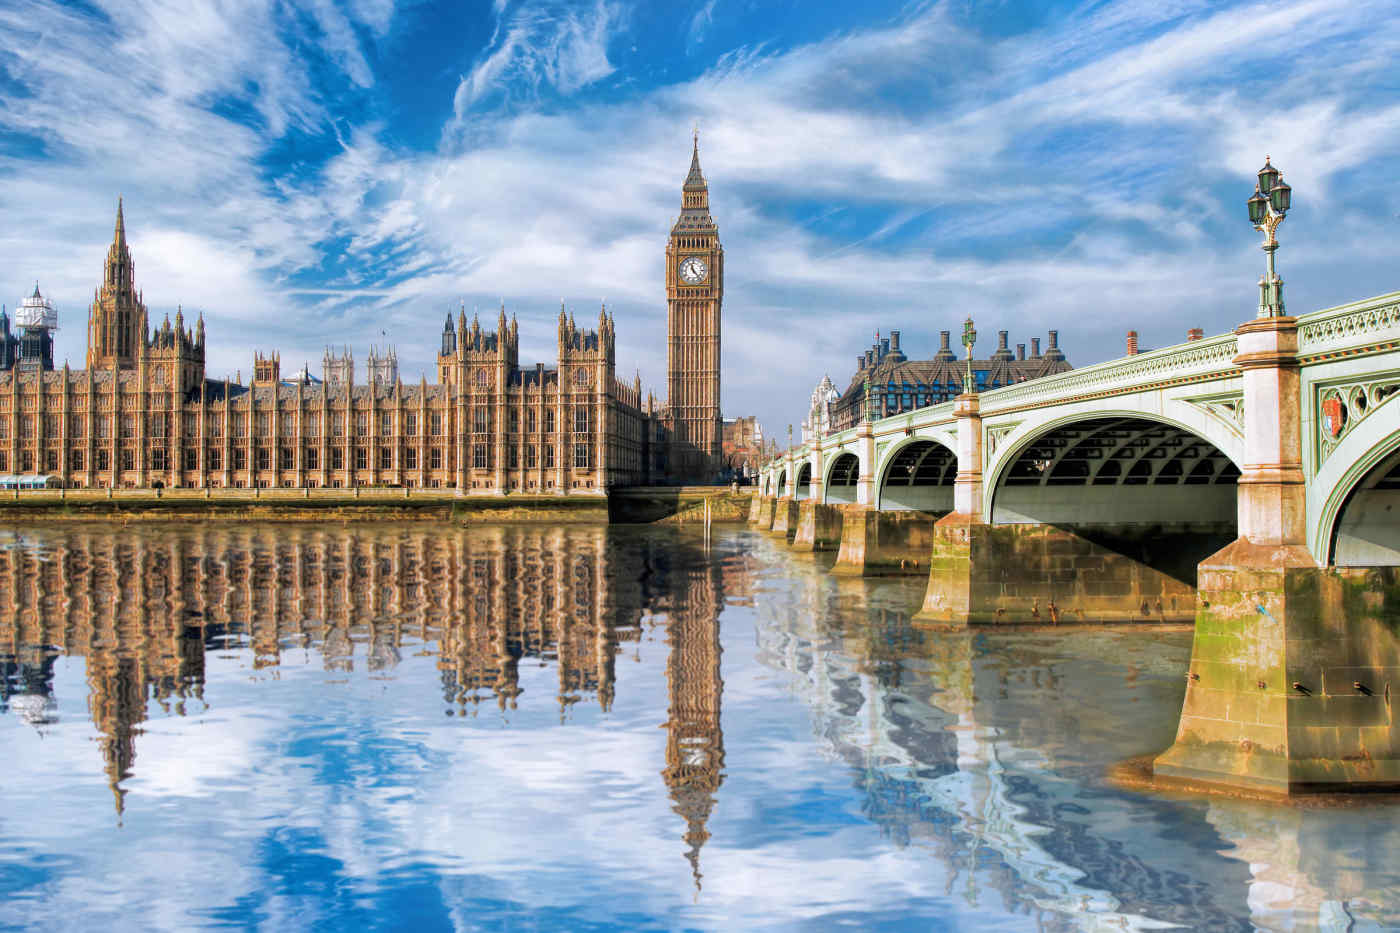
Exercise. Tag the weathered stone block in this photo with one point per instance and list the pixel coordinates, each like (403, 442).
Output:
(767, 506)
(1269, 615)
(985, 574)
(784, 518)
(877, 543)
(818, 527)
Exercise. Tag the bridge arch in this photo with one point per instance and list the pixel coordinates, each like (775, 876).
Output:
(1358, 521)
(1012, 464)
(782, 483)
(1114, 469)
(802, 489)
(1182, 415)
(842, 479)
(917, 474)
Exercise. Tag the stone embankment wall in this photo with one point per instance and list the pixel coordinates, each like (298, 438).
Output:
(679, 504)
(369, 504)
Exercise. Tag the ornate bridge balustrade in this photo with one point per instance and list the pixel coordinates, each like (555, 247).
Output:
(1249, 482)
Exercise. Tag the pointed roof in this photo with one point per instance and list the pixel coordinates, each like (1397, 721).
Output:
(119, 236)
(695, 199)
(696, 178)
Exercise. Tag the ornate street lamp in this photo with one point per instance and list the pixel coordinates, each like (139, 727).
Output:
(1271, 200)
(969, 337)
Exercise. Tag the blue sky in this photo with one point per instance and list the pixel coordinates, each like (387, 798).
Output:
(329, 172)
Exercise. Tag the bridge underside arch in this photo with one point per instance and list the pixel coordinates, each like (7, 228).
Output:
(1368, 527)
(841, 480)
(919, 477)
(803, 487)
(1147, 489)
(782, 483)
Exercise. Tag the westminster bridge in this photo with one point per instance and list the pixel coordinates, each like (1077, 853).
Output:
(1249, 482)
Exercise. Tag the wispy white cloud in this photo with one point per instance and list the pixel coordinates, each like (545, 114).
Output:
(537, 44)
(700, 24)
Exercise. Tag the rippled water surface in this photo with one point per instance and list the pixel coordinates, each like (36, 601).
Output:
(425, 727)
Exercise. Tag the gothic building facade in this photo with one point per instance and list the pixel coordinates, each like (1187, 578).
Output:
(144, 413)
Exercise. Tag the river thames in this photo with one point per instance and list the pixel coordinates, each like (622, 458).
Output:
(434, 727)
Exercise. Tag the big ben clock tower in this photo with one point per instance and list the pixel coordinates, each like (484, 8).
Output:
(694, 293)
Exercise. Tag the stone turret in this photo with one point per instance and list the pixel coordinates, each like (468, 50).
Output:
(267, 369)
(115, 321)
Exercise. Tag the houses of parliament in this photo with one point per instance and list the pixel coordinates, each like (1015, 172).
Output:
(143, 413)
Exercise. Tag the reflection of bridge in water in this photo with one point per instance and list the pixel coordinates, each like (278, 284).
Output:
(967, 744)
(143, 608)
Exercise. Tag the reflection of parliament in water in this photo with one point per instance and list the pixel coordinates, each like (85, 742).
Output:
(143, 609)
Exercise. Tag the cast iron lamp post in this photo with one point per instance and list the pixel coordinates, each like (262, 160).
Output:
(1271, 200)
(969, 337)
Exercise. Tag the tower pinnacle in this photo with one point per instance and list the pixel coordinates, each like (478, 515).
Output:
(696, 178)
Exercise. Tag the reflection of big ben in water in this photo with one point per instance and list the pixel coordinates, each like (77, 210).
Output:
(694, 742)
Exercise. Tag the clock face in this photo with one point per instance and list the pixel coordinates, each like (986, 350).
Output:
(694, 270)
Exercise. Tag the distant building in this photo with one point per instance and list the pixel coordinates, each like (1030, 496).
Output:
(9, 343)
(742, 440)
(898, 384)
(818, 421)
(31, 349)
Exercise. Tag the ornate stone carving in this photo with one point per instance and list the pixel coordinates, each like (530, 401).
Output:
(1340, 408)
(996, 434)
(1195, 358)
(1227, 408)
(1338, 327)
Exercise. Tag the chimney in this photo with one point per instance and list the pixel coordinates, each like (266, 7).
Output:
(1054, 340)
(860, 363)
(1195, 333)
(1132, 343)
(1035, 348)
(884, 347)
(943, 339)
(894, 340)
(1001, 339)
(1020, 351)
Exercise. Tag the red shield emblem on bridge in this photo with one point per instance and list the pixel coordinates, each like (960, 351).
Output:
(1333, 417)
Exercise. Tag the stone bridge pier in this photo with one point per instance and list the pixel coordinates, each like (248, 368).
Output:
(1093, 519)
(1293, 664)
